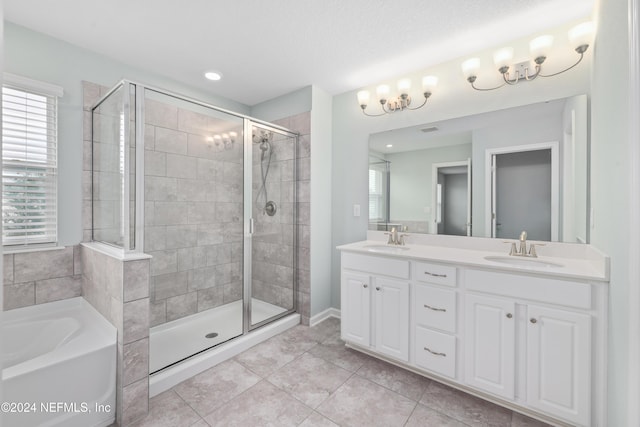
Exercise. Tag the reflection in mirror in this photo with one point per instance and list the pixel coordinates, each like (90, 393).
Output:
(487, 175)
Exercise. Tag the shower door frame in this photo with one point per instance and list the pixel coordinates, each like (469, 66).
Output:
(249, 223)
(248, 122)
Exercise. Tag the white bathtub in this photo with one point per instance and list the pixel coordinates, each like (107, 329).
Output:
(59, 366)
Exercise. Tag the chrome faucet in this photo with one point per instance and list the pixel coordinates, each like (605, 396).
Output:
(395, 238)
(522, 250)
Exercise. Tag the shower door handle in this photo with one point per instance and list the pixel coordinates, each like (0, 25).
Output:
(250, 225)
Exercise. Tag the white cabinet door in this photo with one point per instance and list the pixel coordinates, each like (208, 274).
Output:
(356, 309)
(490, 344)
(559, 363)
(392, 317)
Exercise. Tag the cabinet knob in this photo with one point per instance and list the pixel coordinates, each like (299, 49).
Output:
(364, 285)
(533, 320)
(377, 288)
(509, 315)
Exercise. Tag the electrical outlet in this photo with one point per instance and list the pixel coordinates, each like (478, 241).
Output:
(356, 210)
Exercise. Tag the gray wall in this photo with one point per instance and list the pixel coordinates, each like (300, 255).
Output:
(610, 187)
(529, 130)
(411, 176)
(453, 98)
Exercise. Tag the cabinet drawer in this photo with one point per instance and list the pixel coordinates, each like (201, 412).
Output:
(436, 351)
(376, 265)
(550, 290)
(435, 308)
(434, 273)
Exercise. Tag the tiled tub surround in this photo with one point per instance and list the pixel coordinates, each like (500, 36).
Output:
(119, 290)
(39, 277)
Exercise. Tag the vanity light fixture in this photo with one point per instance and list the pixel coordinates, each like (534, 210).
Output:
(397, 103)
(579, 37)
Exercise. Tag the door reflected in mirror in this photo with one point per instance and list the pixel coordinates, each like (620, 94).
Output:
(487, 175)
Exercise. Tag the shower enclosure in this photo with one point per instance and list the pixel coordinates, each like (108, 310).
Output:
(210, 195)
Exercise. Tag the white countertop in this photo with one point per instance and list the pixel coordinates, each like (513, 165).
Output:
(585, 268)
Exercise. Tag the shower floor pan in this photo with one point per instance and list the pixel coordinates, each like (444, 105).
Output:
(179, 339)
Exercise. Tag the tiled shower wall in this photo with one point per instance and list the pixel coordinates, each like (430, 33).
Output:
(119, 290)
(301, 123)
(272, 247)
(193, 210)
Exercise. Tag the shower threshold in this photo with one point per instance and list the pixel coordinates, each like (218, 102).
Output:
(179, 339)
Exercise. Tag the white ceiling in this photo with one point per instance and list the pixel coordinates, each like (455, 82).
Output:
(268, 48)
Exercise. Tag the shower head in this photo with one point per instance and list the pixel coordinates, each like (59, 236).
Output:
(265, 145)
(262, 136)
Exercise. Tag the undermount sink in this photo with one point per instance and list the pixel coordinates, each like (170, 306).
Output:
(522, 261)
(386, 248)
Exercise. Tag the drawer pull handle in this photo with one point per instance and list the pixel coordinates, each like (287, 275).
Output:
(377, 288)
(435, 308)
(435, 353)
(533, 320)
(435, 274)
(509, 315)
(364, 285)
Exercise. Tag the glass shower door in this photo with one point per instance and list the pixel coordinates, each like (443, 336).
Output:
(194, 190)
(271, 245)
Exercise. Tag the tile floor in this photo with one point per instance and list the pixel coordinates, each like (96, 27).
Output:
(307, 377)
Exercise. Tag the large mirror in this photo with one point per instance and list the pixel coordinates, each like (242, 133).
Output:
(487, 175)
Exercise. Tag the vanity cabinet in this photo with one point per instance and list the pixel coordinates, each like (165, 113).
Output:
(533, 342)
(490, 344)
(559, 362)
(435, 318)
(376, 307)
(555, 342)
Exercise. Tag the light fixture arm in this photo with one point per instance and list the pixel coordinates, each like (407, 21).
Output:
(426, 98)
(567, 69)
(578, 36)
(472, 80)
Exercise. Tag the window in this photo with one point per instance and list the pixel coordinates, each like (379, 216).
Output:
(375, 195)
(29, 161)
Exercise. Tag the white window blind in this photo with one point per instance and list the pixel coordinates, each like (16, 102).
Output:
(375, 195)
(29, 162)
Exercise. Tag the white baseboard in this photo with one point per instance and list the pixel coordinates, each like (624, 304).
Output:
(324, 315)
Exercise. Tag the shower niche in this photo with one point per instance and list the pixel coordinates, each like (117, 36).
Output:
(211, 196)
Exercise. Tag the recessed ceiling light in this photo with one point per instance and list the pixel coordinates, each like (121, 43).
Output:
(389, 145)
(213, 75)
